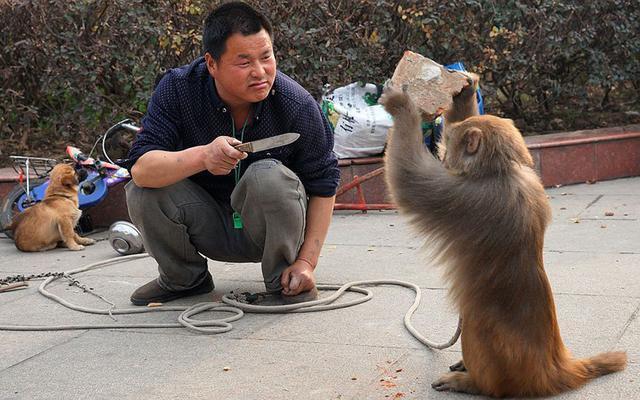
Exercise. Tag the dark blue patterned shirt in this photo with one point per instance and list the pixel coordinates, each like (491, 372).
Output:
(185, 111)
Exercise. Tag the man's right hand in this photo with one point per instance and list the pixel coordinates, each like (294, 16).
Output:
(220, 157)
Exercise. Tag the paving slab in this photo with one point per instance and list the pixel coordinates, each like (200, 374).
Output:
(196, 367)
(615, 186)
(589, 273)
(630, 340)
(615, 237)
(362, 352)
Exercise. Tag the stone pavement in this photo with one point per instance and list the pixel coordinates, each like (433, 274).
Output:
(363, 352)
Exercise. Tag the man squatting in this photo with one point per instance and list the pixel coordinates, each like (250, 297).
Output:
(190, 184)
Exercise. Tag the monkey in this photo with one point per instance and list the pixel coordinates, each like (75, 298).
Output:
(483, 213)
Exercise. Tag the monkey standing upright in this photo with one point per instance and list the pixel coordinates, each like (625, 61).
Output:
(484, 212)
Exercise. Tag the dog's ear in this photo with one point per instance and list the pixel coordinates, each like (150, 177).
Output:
(69, 179)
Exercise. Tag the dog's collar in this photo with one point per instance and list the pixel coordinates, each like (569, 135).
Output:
(70, 197)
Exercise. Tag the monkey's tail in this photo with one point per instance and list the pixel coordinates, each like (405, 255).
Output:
(604, 363)
(578, 372)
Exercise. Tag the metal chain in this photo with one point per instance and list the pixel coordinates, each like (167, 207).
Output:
(23, 278)
(72, 282)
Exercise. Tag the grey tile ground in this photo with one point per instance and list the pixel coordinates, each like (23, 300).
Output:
(630, 339)
(362, 352)
(593, 273)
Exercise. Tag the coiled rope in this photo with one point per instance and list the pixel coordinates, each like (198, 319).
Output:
(228, 304)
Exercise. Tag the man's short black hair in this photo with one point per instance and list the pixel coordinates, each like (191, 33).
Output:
(227, 19)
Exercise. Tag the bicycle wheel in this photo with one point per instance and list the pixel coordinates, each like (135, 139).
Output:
(10, 207)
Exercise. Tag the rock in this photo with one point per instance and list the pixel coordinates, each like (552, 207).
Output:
(429, 84)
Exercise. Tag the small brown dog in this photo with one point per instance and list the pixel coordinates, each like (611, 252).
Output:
(51, 222)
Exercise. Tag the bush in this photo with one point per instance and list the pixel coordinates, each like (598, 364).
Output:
(69, 69)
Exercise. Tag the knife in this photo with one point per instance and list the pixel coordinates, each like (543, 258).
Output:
(268, 143)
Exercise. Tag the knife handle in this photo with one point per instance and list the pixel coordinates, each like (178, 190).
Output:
(244, 147)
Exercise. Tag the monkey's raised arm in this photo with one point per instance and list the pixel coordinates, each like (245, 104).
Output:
(465, 103)
(474, 197)
(422, 187)
(415, 178)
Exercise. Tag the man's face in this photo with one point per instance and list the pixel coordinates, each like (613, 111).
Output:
(246, 70)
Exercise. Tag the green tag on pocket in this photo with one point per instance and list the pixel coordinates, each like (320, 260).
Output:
(237, 220)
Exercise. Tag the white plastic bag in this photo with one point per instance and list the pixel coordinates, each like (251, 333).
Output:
(360, 129)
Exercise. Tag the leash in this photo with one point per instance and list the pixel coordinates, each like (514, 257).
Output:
(230, 304)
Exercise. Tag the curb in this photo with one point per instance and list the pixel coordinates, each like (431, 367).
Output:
(560, 159)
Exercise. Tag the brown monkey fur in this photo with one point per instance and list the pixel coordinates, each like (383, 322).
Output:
(51, 222)
(485, 212)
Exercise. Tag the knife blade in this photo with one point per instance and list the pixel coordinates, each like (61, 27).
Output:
(268, 143)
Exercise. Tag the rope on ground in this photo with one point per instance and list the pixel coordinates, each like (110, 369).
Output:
(229, 305)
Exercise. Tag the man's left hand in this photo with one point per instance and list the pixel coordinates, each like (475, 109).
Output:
(297, 278)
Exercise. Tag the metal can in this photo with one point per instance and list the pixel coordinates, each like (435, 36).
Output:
(125, 238)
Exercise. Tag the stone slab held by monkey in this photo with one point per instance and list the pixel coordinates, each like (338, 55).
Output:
(483, 211)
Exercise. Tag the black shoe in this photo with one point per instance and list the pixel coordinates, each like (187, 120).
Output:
(153, 293)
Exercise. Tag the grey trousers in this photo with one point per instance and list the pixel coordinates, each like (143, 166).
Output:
(180, 221)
